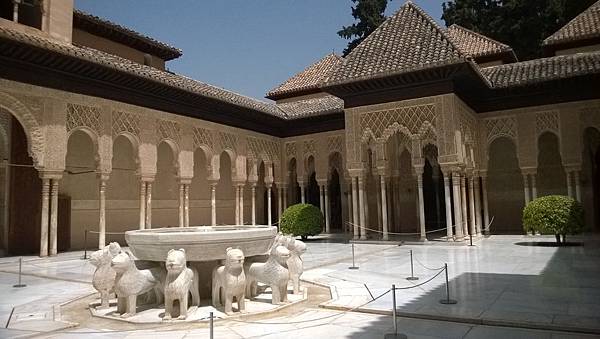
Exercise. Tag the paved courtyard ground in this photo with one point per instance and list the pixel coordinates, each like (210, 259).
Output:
(506, 287)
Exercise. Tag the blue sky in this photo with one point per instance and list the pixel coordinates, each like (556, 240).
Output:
(247, 46)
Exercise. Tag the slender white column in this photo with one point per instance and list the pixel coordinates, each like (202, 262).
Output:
(213, 204)
(102, 211)
(142, 204)
(148, 205)
(181, 205)
(186, 210)
(241, 204)
(279, 202)
(533, 186)
(421, 207)
(355, 217)
(327, 210)
(457, 206)
(526, 188)
(477, 206)
(486, 211)
(253, 204)
(379, 209)
(463, 195)
(577, 186)
(570, 184)
(54, 217)
(44, 219)
(449, 232)
(237, 205)
(350, 209)
(362, 202)
(302, 196)
(321, 198)
(384, 211)
(472, 206)
(285, 198)
(269, 220)
(16, 11)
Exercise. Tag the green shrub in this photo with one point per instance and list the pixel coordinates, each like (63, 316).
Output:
(554, 214)
(302, 220)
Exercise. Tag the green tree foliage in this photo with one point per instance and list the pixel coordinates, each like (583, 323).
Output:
(554, 214)
(522, 24)
(369, 15)
(302, 220)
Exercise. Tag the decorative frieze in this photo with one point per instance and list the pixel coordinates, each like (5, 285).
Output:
(309, 147)
(505, 126)
(335, 143)
(202, 137)
(290, 149)
(228, 141)
(547, 122)
(123, 122)
(168, 129)
(410, 119)
(84, 116)
(258, 146)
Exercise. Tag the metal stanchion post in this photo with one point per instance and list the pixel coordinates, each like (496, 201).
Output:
(85, 244)
(20, 265)
(211, 326)
(394, 335)
(471, 239)
(353, 267)
(412, 275)
(447, 301)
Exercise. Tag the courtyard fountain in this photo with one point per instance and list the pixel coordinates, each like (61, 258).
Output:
(220, 265)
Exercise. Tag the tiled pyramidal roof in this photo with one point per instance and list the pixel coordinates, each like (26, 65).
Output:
(111, 30)
(584, 26)
(409, 40)
(309, 79)
(544, 69)
(312, 107)
(475, 44)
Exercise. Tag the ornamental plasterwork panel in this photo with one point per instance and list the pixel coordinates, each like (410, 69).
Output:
(502, 126)
(335, 143)
(259, 146)
(290, 149)
(547, 121)
(84, 116)
(125, 122)
(34, 104)
(202, 137)
(590, 117)
(167, 129)
(228, 141)
(309, 147)
(409, 119)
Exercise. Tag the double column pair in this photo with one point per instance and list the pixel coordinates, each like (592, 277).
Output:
(184, 202)
(324, 203)
(573, 175)
(359, 212)
(467, 219)
(49, 218)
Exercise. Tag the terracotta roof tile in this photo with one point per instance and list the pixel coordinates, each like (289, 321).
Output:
(407, 41)
(310, 78)
(475, 44)
(584, 26)
(312, 107)
(540, 70)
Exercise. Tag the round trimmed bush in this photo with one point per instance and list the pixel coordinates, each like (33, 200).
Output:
(302, 220)
(554, 214)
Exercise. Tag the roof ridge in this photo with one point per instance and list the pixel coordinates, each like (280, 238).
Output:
(480, 35)
(128, 30)
(554, 38)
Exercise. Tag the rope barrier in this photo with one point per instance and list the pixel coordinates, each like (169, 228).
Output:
(424, 282)
(428, 268)
(396, 233)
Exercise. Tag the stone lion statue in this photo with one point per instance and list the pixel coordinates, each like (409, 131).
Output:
(131, 282)
(295, 263)
(273, 273)
(229, 281)
(180, 280)
(104, 276)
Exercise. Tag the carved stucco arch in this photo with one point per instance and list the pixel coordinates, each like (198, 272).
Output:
(135, 144)
(33, 131)
(90, 133)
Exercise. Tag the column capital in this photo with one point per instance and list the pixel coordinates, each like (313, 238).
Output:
(51, 174)
(322, 182)
(529, 170)
(147, 178)
(103, 176)
(184, 181)
(356, 172)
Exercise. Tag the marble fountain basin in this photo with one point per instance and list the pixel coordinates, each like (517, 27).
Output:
(201, 243)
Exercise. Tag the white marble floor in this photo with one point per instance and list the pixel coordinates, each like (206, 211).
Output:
(497, 279)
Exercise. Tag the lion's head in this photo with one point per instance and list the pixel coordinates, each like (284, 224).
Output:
(176, 261)
(234, 258)
(121, 262)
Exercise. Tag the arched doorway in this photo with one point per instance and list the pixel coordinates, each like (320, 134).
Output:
(335, 193)
(165, 195)
(433, 190)
(225, 191)
(505, 187)
(200, 191)
(294, 187)
(122, 190)
(79, 184)
(23, 187)
(312, 187)
(551, 177)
